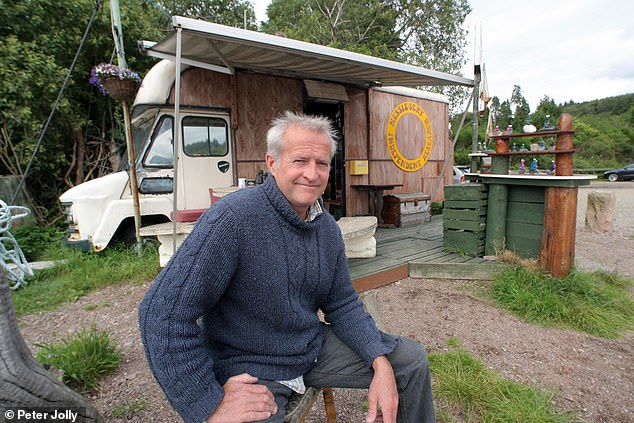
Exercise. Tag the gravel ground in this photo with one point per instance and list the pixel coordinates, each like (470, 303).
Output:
(592, 377)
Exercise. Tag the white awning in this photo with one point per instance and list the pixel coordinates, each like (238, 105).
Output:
(223, 48)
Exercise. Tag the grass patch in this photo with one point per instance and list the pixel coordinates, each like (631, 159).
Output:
(82, 358)
(128, 409)
(468, 388)
(593, 302)
(81, 273)
(93, 307)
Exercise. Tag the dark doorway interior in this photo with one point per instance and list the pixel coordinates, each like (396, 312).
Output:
(334, 197)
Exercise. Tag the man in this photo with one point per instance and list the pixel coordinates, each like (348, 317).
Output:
(230, 325)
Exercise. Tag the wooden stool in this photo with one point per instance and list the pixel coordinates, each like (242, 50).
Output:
(299, 405)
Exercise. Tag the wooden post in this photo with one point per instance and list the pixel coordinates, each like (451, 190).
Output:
(500, 164)
(563, 161)
(557, 252)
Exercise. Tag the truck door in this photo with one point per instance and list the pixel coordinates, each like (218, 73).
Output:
(204, 159)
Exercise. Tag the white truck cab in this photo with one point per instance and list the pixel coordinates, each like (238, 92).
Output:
(101, 210)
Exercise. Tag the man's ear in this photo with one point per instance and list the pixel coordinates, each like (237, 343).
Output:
(270, 163)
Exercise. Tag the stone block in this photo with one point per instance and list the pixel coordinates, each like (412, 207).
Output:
(358, 236)
(600, 211)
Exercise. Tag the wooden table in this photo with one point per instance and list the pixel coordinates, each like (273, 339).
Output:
(375, 193)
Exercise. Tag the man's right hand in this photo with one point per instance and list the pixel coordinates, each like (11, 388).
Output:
(244, 401)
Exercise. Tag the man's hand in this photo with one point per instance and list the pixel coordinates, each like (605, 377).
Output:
(382, 393)
(244, 401)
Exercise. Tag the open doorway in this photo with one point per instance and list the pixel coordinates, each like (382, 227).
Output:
(334, 196)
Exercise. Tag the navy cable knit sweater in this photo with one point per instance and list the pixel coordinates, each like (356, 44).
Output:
(241, 295)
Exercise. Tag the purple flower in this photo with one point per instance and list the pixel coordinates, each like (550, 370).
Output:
(104, 71)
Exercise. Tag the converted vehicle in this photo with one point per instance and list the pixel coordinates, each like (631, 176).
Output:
(195, 139)
(624, 173)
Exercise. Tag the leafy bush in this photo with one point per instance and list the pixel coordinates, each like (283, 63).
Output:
(82, 358)
(36, 242)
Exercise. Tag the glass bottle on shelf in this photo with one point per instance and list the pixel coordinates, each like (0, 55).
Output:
(533, 169)
(522, 169)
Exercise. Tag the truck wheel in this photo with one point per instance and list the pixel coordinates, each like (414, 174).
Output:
(125, 235)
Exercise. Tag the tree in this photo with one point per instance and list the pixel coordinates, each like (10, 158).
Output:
(546, 107)
(225, 12)
(522, 109)
(427, 33)
(41, 39)
(24, 383)
(506, 115)
(360, 26)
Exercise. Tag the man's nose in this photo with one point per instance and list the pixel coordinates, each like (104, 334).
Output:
(311, 171)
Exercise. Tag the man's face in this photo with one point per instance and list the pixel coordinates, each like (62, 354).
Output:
(301, 171)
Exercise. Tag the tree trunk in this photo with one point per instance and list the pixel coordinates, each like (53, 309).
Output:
(24, 383)
(78, 137)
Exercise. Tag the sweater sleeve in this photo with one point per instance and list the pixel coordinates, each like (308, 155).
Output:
(194, 279)
(350, 322)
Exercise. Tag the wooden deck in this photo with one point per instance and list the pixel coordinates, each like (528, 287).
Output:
(400, 251)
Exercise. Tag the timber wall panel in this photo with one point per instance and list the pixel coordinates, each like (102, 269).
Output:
(410, 135)
(202, 88)
(355, 120)
(260, 99)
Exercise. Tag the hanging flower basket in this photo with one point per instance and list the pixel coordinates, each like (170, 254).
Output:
(120, 83)
(121, 89)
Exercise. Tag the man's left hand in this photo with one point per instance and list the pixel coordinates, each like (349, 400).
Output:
(382, 393)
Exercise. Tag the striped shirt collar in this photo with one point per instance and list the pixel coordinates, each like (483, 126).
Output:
(314, 210)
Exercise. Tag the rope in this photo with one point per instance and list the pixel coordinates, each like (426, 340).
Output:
(59, 97)
(10, 251)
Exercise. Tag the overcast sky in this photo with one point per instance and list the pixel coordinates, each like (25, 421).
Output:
(566, 49)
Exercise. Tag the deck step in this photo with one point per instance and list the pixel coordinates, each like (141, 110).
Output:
(468, 270)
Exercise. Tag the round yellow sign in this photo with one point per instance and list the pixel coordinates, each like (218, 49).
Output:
(399, 111)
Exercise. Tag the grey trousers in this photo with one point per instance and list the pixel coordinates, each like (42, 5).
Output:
(339, 367)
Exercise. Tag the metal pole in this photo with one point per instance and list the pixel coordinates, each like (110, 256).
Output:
(476, 111)
(177, 129)
(117, 34)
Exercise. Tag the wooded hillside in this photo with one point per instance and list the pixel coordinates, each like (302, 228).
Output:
(604, 130)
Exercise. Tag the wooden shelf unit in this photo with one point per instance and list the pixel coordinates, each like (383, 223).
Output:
(531, 153)
(563, 149)
(534, 214)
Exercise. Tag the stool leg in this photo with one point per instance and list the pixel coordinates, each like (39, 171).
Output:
(329, 402)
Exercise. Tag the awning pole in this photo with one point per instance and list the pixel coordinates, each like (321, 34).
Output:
(177, 130)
